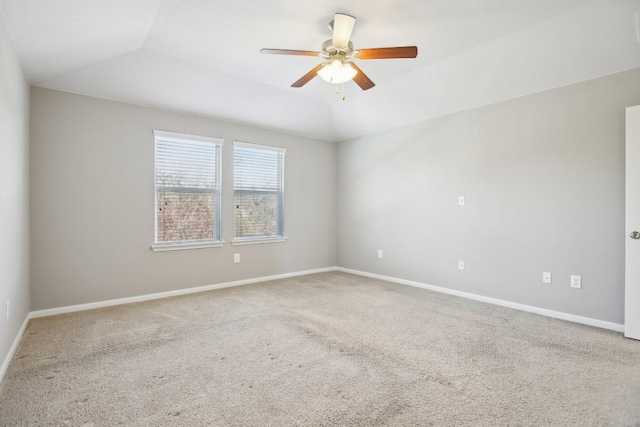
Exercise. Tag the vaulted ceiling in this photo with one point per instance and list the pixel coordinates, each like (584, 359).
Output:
(202, 56)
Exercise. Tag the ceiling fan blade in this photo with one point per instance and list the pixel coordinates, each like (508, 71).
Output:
(388, 52)
(342, 28)
(290, 52)
(362, 79)
(307, 77)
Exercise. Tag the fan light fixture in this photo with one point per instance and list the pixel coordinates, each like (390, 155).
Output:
(337, 72)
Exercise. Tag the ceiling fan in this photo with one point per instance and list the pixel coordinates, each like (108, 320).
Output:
(338, 53)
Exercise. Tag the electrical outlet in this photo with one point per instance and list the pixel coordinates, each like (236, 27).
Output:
(8, 308)
(576, 282)
(460, 265)
(546, 277)
(236, 258)
(379, 253)
(461, 200)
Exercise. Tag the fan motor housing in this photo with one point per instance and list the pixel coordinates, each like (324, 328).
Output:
(330, 50)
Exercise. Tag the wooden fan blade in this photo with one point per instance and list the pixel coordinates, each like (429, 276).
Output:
(388, 52)
(290, 52)
(307, 77)
(342, 29)
(361, 79)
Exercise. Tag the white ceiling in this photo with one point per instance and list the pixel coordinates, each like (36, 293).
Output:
(202, 56)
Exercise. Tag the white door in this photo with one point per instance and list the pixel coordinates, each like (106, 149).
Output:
(632, 226)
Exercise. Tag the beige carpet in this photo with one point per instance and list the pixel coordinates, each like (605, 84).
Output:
(325, 349)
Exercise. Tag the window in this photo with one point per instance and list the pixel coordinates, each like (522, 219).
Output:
(187, 191)
(258, 192)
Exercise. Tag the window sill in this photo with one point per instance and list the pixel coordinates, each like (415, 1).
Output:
(258, 240)
(161, 247)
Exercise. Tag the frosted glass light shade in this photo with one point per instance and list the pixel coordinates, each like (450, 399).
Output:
(337, 72)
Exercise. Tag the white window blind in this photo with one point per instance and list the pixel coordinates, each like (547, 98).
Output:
(187, 188)
(258, 191)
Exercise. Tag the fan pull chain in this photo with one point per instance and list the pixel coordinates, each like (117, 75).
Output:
(344, 95)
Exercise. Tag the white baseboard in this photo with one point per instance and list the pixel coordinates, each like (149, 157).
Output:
(517, 306)
(149, 297)
(522, 307)
(14, 347)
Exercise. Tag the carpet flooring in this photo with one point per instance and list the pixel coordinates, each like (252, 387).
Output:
(328, 349)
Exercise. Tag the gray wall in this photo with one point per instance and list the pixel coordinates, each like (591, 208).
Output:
(14, 189)
(543, 178)
(92, 195)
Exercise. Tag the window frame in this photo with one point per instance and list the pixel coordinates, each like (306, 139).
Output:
(217, 193)
(253, 240)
